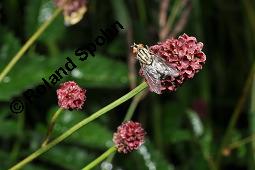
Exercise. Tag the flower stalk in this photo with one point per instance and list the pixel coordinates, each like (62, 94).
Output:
(133, 106)
(236, 114)
(129, 115)
(82, 123)
(28, 44)
(128, 137)
(100, 158)
(51, 125)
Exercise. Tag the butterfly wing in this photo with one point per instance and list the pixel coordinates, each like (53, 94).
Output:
(152, 79)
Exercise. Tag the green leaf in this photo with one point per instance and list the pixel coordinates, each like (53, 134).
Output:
(94, 72)
(148, 157)
(31, 17)
(9, 47)
(100, 71)
(93, 135)
(35, 167)
(172, 123)
(121, 12)
(4, 159)
(37, 12)
(8, 128)
(68, 157)
(27, 73)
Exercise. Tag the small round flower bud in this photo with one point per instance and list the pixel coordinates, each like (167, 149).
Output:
(73, 10)
(71, 96)
(185, 54)
(129, 137)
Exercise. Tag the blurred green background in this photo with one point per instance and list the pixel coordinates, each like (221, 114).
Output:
(185, 129)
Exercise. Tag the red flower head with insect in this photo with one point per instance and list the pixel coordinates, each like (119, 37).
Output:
(168, 64)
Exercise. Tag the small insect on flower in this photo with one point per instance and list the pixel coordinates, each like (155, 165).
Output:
(153, 67)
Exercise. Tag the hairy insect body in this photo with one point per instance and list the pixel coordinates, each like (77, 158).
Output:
(154, 68)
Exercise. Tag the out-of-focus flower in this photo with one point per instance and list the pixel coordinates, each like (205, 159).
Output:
(183, 54)
(201, 107)
(73, 10)
(129, 137)
(71, 96)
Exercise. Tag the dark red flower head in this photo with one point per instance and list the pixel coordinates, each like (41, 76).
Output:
(73, 10)
(184, 54)
(129, 137)
(71, 96)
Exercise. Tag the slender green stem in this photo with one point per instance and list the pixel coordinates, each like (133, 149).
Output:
(130, 114)
(20, 131)
(157, 124)
(100, 158)
(252, 115)
(29, 42)
(174, 12)
(236, 113)
(241, 142)
(51, 125)
(208, 158)
(133, 106)
(77, 126)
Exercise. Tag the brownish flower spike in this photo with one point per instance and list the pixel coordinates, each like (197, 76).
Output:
(71, 96)
(73, 10)
(129, 137)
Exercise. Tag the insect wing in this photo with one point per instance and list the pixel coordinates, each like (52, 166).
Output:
(153, 82)
(164, 68)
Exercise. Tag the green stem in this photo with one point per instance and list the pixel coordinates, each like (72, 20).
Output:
(208, 158)
(241, 142)
(51, 125)
(252, 116)
(100, 158)
(29, 42)
(129, 114)
(20, 131)
(174, 12)
(77, 126)
(133, 106)
(236, 113)
(157, 124)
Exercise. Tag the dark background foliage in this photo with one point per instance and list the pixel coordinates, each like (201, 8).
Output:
(184, 128)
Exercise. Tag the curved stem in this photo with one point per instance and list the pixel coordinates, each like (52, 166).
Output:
(236, 113)
(241, 142)
(133, 106)
(129, 115)
(29, 42)
(51, 125)
(77, 126)
(100, 158)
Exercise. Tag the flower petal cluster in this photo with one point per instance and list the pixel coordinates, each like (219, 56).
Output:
(73, 10)
(185, 54)
(71, 96)
(129, 137)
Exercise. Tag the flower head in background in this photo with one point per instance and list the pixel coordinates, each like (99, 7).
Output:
(73, 10)
(129, 137)
(71, 96)
(168, 64)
